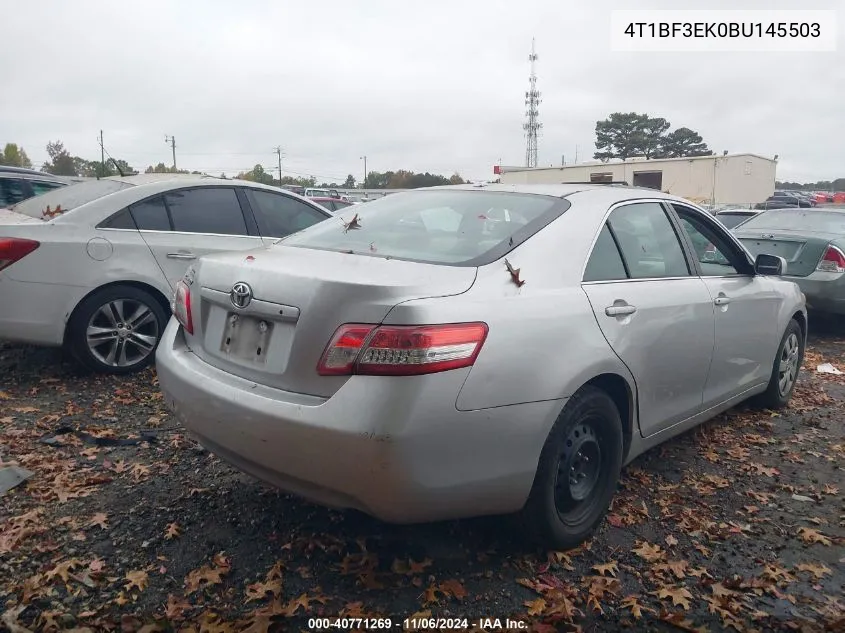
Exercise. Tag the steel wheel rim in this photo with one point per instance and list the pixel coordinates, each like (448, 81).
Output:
(788, 366)
(579, 472)
(122, 332)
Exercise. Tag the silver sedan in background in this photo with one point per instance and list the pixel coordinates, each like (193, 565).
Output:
(472, 350)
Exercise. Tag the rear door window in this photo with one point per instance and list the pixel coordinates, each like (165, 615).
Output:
(279, 215)
(649, 244)
(150, 215)
(210, 210)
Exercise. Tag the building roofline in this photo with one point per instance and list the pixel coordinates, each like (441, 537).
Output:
(634, 160)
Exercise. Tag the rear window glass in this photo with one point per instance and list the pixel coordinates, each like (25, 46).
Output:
(793, 219)
(730, 220)
(456, 227)
(68, 198)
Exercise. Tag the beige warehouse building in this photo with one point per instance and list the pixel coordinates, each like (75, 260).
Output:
(726, 179)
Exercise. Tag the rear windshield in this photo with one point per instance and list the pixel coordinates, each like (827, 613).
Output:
(730, 220)
(469, 228)
(793, 219)
(67, 198)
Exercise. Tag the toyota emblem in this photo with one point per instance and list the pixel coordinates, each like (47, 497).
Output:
(240, 295)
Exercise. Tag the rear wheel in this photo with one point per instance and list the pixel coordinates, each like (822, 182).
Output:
(578, 471)
(116, 330)
(785, 370)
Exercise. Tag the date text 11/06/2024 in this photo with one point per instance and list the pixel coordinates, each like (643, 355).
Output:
(416, 624)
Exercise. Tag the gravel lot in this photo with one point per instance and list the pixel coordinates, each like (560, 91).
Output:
(739, 525)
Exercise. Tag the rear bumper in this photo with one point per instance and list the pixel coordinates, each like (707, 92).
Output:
(35, 312)
(394, 447)
(825, 292)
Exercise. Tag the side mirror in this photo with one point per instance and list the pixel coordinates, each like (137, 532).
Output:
(769, 265)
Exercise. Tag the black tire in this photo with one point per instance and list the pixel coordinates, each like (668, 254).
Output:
(134, 342)
(563, 516)
(775, 397)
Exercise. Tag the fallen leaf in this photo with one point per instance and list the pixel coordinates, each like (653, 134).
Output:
(608, 569)
(818, 570)
(810, 536)
(173, 531)
(671, 541)
(535, 607)
(453, 588)
(259, 590)
(136, 579)
(630, 602)
(99, 520)
(648, 552)
(208, 574)
(176, 607)
(680, 596)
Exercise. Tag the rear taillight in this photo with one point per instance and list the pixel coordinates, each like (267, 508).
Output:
(401, 350)
(12, 249)
(182, 306)
(833, 261)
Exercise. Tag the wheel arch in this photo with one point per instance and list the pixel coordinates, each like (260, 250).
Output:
(140, 285)
(623, 396)
(801, 319)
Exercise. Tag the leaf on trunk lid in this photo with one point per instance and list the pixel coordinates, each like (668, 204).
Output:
(514, 273)
(354, 223)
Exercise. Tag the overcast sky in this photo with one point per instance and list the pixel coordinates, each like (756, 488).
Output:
(429, 86)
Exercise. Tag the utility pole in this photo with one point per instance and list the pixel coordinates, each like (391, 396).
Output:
(364, 182)
(278, 150)
(576, 154)
(171, 140)
(102, 155)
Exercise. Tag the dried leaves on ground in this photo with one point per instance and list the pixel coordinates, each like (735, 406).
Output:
(736, 525)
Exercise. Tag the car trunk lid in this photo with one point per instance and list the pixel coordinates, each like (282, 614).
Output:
(11, 218)
(299, 297)
(802, 250)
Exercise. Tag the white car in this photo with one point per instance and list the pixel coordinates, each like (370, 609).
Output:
(92, 266)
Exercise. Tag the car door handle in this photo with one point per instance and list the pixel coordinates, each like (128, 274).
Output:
(722, 301)
(619, 310)
(181, 256)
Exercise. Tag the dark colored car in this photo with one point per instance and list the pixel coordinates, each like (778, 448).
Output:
(332, 204)
(18, 184)
(781, 200)
(732, 218)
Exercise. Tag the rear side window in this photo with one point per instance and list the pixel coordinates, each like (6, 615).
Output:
(11, 191)
(213, 210)
(605, 263)
(150, 215)
(120, 220)
(279, 215)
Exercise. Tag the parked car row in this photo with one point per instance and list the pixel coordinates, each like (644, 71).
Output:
(92, 266)
(17, 184)
(437, 353)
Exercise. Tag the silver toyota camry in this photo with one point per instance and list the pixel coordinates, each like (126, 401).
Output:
(461, 351)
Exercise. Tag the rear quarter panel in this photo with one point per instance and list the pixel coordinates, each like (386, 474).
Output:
(543, 341)
(87, 258)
